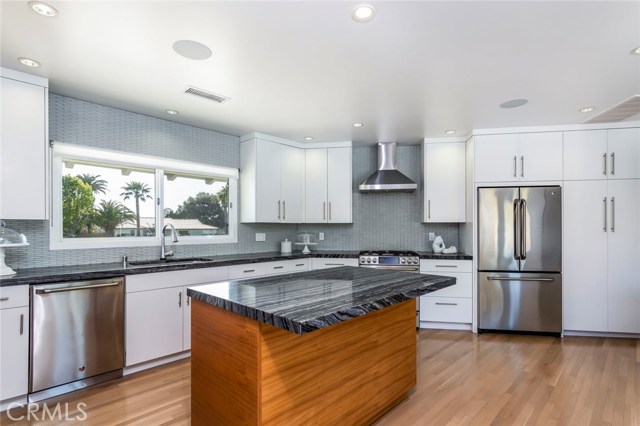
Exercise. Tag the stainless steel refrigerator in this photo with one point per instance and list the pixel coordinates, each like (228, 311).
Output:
(520, 259)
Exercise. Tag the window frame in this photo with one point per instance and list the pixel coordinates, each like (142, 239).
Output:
(67, 152)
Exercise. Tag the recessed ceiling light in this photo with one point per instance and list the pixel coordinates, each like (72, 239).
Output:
(29, 62)
(586, 109)
(514, 103)
(308, 138)
(191, 49)
(171, 111)
(449, 132)
(363, 13)
(358, 124)
(43, 8)
(636, 51)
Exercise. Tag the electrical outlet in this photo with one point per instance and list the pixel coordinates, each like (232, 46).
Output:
(321, 236)
(432, 236)
(261, 236)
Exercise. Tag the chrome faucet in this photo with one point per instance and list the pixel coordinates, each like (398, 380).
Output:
(174, 237)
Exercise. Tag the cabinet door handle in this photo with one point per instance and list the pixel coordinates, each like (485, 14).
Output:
(334, 264)
(446, 266)
(446, 304)
(604, 203)
(246, 271)
(613, 214)
(515, 166)
(3, 299)
(299, 264)
(278, 267)
(522, 166)
(324, 210)
(21, 324)
(188, 301)
(329, 210)
(613, 163)
(278, 209)
(284, 210)
(604, 164)
(180, 299)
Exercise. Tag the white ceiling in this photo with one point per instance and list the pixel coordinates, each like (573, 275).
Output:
(302, 68)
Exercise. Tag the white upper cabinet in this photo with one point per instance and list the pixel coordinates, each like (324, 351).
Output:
(444, 175)
(271, 182)
(24, 151)
(624, 153)
(602, 154)
(328, 180)
(518, 157)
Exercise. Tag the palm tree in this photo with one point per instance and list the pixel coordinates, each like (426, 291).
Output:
(97, 185)
(110, 214)
(139, 191)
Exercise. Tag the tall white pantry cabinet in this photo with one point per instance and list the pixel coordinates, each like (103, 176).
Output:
(601, 230)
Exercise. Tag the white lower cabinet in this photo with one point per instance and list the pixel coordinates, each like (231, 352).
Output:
(158, 321)
(14, 341)
(452, 306)
(324, 263)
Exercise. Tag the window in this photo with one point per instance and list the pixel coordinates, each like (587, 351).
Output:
(113, 199)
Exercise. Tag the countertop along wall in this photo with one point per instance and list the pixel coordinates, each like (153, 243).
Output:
(388, 221)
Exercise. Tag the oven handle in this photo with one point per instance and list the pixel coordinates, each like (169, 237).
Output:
(393, 268)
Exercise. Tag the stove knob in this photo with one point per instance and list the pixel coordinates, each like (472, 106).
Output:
(362, 260)
(415, 261)
(368, 260)
(403, 260)
(375, 260)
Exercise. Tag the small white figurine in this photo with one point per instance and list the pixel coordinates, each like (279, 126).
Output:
(438, 244)
(450, 250)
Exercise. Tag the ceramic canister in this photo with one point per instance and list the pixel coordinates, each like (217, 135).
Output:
(285, 247)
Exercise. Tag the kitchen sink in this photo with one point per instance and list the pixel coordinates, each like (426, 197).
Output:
(168, 262)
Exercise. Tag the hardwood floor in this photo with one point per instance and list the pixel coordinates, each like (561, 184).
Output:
(463, 379)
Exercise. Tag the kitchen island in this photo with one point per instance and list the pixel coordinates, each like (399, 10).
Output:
(333, 346)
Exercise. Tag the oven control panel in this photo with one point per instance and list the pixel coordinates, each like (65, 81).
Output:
(391, 261)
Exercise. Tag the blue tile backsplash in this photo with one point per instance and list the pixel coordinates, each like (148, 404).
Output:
(390, 221)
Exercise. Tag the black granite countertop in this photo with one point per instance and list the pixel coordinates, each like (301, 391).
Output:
(109, 270)
(435, 256)
(307, 301)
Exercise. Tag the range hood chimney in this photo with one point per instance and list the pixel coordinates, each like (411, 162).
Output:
(387, 178)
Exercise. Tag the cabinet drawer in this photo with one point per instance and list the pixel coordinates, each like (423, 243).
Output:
(158, 280)
(246, 271)
(322, 263)
(445, 309)
(444, 265)
(462, 288)
(14, 296)
(286, 266)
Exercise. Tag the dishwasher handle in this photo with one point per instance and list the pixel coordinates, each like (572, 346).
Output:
(85, 287)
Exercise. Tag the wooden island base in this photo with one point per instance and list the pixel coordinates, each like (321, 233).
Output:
(244, 372)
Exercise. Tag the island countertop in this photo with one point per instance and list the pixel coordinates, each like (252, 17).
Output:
(304, 302)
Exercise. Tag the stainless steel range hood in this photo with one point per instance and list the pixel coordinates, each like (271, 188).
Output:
(387, 178)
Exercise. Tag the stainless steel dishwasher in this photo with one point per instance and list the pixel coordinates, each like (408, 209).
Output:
(77, 335)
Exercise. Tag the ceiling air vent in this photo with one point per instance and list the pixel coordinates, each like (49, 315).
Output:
(623, 110)
(207, 95)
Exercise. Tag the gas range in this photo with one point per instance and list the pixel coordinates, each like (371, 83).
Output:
(390, 259)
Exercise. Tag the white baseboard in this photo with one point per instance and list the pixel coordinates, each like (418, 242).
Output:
(600, 334)
(445, 325)
(19, 401)
(156, 362)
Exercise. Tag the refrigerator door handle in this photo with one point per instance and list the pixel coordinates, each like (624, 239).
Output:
(516, 229)
(523, 229)
(520, 279)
